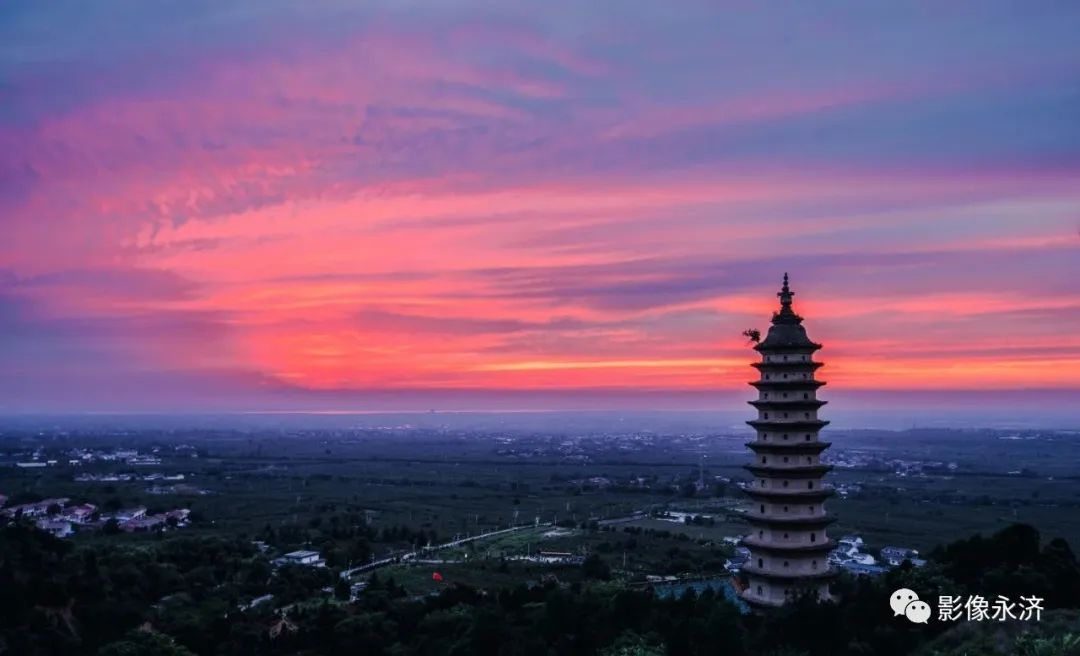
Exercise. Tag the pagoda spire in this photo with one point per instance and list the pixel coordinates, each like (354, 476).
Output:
(786, 314)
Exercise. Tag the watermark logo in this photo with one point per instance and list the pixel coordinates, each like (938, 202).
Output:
(973, 608)
(918, 612)
(976, 608)
(907, 603)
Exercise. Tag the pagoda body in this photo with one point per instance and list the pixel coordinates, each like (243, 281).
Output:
(788, 544)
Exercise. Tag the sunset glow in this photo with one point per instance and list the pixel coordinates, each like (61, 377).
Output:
(254, 199)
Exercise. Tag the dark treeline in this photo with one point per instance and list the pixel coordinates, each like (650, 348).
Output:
(183, 595)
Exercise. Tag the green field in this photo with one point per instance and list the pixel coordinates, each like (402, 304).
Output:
(302, 489)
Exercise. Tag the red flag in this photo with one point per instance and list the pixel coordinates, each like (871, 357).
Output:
(436, 577)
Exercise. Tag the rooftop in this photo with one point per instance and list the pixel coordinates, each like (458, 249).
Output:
(786, 332)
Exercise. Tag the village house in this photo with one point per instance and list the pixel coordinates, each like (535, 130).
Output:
(128, 514)
(143, 461)
(36, 509)
(897, 555)
(308, 558)
(82, 514)
(180, 515)
(57, 527)
(144, 523)
(552, 557)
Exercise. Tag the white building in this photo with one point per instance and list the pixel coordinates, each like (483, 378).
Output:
(129, 514)
(59, 528)
(897, 555)
(851, 542)
(80, 514)
(308, 558)
(36, 509)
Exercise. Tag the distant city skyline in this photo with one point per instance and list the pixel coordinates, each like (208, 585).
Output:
(237, 206)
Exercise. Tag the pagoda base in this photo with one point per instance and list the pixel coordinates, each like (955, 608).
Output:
(763, 602)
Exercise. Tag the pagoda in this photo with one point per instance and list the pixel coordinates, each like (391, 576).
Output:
(788, 544)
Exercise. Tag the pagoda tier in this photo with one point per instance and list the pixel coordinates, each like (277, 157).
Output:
(767, 546)
(788, 542)
(786, 447)
(782, 519)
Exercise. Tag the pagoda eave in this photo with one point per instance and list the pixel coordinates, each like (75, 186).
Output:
(787, 384)
(771, 547)
(786, 366)
(781, 405)
(780, 496)
(793, 424)
(768, 348)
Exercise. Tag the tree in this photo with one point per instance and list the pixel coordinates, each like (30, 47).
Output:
(632, 644)
(595, 567)
(144, 643)
(342, 589)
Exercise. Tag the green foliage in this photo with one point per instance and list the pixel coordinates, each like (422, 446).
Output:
(1064, 645)
(1057, 634)
(1011, 563)
(101, 598)
(144, 643)
(596, 567)
(632, 644)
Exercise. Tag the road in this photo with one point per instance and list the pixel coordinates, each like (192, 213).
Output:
(410, 555)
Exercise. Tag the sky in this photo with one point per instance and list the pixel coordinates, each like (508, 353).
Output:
(470, 203)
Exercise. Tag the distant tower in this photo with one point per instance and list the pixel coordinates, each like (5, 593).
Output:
(788, 545)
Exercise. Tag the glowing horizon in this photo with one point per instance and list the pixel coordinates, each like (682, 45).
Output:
(238, 199)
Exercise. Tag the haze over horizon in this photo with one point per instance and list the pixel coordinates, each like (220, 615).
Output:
(228, 207)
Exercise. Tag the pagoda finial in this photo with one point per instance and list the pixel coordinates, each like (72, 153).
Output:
(785, 292)
(786, 314)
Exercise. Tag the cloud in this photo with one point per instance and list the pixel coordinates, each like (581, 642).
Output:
(396, 194)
